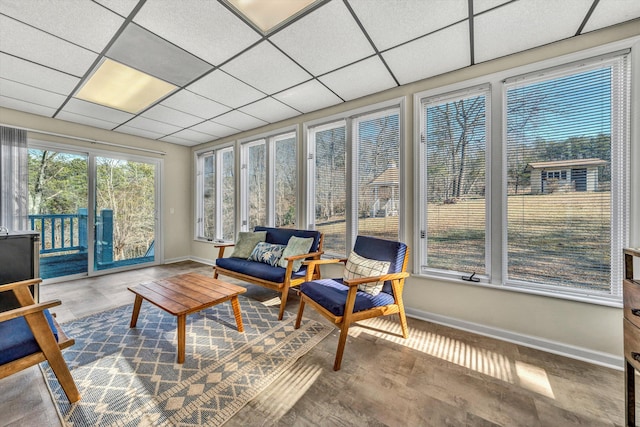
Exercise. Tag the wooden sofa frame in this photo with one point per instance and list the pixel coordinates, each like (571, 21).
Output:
(280, 287)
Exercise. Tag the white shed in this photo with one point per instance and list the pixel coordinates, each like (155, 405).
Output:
(565, 175)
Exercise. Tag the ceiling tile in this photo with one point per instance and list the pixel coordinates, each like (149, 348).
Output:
(153, 125)
(517, 26)
(27, 107)
(147, 52)
(180, 141)
(191, 103)
(307, 97)
(221, 87)
(266, 68)
(214, 129)
(610, 12)
(85, 120)
(447, 49)
(68, 20)
(30, 94)
(348, 82)
(480, 6)
(90, 109)
(19, 70)
(325, 39)
(122, 7)
(196, 137)
(390, 23)
(37, 46)
(139, 132)
(239, 120)
(270, 110)
(205, 28)
(171, 116)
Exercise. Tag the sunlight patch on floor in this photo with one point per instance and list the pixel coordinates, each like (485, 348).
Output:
(283, 394)
(481, 360)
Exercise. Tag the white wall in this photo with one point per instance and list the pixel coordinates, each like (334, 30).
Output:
(582, 330)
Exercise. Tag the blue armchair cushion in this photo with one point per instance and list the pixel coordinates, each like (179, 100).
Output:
(358, 266)
(257, 269)
(16, 339)
(246, 242)
(332, 295)
(269, 253)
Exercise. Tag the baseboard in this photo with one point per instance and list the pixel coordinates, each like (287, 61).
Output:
(174, 260)
(598, 358)
(202, 261)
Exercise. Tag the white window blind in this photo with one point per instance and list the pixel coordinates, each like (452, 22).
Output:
(330, 183)
(566, 179)
(215, 218)
(256, 179)
(454, 131)
(285, 180)
(378, 165)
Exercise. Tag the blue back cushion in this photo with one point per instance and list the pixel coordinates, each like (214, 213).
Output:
(281, 236)
(382, 250)
(16, 339)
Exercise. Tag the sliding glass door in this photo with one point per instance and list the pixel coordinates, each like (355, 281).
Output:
(94, 212)
(125, 213)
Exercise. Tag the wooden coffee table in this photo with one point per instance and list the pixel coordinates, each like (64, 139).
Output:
(185, 294)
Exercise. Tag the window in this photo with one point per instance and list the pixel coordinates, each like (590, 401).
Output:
(354, 165)
(566, 136)
(215, 217)
(269, 181)
(454, 150)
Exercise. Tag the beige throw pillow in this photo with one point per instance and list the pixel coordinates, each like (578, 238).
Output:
(358, 266)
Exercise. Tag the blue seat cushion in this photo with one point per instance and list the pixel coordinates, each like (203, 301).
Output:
(332, 295)
(257, 269)
(281, 236)
(16, 339)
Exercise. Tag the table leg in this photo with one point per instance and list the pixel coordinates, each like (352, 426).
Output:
(136, 311)
(182, 331)
(236, 312)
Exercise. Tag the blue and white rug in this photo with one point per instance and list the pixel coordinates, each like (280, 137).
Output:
(128, 377)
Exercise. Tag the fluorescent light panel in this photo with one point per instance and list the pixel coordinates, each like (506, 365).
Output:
(267, 15)
(117, 86)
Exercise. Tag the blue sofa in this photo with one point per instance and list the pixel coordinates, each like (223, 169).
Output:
(273, 277)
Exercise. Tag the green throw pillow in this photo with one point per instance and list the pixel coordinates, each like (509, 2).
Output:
(247, 240)
(295, 246)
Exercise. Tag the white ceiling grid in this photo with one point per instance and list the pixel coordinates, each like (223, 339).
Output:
(232, 78)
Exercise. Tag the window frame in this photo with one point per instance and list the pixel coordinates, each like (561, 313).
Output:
(270, 140)
(350, 119)
(199, 157)
(498, 161)
(422, 101)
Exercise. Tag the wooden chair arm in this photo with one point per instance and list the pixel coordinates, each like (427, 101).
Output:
(23, 311)
(304, 256)
(221, 247)
(383, 278)
(15, 285)
(325, 261)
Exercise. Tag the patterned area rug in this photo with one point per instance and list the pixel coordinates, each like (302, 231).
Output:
(128, 377)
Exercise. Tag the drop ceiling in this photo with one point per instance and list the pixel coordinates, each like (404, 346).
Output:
(232, 76)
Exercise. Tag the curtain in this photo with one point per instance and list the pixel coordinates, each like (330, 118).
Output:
(14, 179)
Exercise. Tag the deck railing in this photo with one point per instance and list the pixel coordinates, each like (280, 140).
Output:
(61, 232)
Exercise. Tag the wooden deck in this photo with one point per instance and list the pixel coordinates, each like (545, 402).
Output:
(77, 263)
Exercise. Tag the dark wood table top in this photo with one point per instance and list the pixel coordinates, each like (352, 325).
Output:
(186, 293)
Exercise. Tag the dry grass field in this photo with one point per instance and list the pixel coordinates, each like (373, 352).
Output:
(560, 238)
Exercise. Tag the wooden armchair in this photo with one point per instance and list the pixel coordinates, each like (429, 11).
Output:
(370, 287)
(29, 335)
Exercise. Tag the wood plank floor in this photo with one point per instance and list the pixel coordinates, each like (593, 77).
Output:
(438, 377)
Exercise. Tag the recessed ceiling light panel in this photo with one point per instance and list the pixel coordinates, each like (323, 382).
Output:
(267, 15)
(117, 86)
